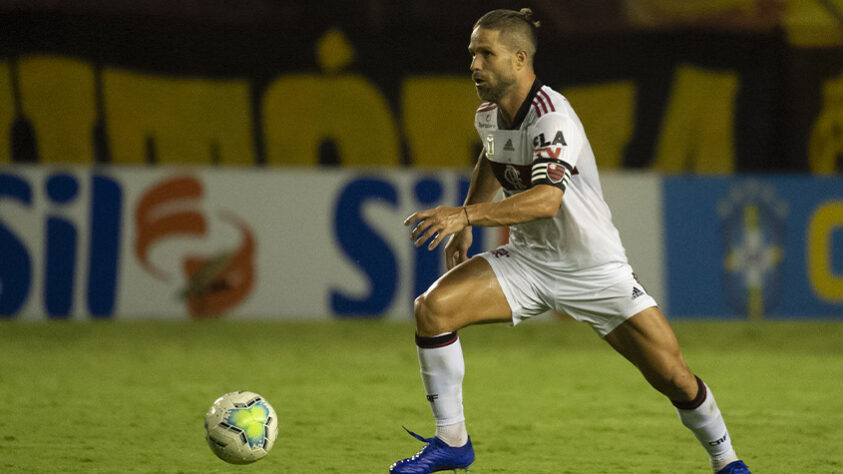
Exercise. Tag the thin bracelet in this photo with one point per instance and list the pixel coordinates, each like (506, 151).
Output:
(466, 215)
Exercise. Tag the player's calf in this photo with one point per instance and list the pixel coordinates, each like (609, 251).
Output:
(676, 382)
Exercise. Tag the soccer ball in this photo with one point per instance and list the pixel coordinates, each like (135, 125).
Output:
(241, 427)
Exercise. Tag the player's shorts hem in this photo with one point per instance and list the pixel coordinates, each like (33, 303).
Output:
(514, 308)
(642, 303)
(604, 297)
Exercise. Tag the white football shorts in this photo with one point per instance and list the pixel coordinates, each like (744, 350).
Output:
(602, 296)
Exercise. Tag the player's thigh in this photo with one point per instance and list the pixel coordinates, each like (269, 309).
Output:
(647, 340)
(467, 294)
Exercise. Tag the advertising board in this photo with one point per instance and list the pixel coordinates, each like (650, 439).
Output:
(175, 242)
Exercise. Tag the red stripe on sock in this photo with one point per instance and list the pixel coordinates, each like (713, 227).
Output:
(702, 393)
(437, 341)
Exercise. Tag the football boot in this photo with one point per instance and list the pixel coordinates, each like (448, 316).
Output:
(435, 456)
(737, 467)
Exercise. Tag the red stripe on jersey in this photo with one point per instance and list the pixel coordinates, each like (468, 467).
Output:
(538, 103)
(549, 102)
(541, 101)
(487, 106)
(538, 109)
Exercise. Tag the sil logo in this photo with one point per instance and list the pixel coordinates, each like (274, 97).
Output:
(213, 284)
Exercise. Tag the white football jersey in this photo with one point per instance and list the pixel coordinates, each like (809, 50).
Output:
(548, 146)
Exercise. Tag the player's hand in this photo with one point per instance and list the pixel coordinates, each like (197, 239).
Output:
(435, 225)
(456, 250)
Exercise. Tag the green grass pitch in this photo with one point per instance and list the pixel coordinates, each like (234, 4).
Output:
(545, 397)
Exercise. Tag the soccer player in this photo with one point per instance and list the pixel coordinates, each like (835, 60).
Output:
(564, 252)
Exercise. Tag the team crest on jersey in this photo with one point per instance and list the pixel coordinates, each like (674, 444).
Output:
(513, 177)
(555, 172)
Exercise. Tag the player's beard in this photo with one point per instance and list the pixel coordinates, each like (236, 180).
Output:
(494, 88)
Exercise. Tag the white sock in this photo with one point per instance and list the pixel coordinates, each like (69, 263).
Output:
(442, 371)
(453, 435)
(703, 418)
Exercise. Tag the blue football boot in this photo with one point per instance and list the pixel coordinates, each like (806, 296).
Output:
(737, 467)
(435, 456)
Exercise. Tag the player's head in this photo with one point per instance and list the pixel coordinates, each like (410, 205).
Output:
(517, 29)
(503, 43)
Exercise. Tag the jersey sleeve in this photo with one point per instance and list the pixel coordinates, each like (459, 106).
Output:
(556, 140)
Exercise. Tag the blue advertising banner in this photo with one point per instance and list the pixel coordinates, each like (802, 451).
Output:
(752, 246)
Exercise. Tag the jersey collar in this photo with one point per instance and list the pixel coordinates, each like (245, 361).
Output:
(523, 110)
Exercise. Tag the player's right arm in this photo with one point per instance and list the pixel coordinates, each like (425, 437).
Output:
(483, 187)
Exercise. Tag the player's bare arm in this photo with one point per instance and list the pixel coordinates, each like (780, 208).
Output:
(482, 188)
(484, 185)
(538, 202)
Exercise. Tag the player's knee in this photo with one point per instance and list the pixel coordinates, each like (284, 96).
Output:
(430, 313)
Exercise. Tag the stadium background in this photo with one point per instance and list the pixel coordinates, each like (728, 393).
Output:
(184, 182)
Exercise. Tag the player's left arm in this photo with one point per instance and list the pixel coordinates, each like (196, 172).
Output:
(556, 140)
(556, 143)
(538, 202)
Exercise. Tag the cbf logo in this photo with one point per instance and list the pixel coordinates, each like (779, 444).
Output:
(753, 227)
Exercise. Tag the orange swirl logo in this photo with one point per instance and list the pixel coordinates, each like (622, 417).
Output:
(214, 283)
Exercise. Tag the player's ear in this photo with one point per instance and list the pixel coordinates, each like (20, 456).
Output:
(521, 59)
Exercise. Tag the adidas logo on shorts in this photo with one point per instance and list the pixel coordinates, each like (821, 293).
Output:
(636, 292)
